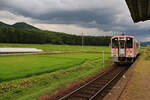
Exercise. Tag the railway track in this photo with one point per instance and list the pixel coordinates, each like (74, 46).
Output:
(98, 87)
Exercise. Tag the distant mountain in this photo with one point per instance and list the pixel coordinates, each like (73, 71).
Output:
(28, 34)
(145, 43)
(19, 25)
(22, 25)
(4, 25)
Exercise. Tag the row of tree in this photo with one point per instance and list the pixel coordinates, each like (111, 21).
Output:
(13, 35)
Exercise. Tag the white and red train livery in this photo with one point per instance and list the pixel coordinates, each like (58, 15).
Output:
(124, 48)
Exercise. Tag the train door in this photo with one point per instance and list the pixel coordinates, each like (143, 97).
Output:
(122, 46)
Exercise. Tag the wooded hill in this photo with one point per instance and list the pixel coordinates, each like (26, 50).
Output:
(25, 33)
(19, 25)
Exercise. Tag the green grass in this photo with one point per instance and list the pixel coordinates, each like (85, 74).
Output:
(146, 50)
(28, 77)
(26, 66)
(51, 47)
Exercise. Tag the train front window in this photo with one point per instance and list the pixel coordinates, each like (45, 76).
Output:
(122, 44)
(115, 43)
(129, 43)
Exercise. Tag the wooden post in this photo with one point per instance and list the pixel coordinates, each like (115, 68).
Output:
(103, 59)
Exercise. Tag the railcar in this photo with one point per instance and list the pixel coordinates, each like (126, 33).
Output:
(124, 49)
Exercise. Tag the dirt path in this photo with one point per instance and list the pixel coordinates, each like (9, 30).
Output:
(138, 87)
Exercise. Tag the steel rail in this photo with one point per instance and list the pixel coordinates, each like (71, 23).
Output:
(85, 85)
(91, 98)
(107, 84)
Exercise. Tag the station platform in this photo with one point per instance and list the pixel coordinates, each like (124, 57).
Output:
(135, 83)
(138, 87)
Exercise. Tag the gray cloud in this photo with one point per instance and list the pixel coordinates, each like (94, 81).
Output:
(106, 15)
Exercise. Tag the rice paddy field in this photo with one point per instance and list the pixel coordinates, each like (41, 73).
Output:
(29, 77)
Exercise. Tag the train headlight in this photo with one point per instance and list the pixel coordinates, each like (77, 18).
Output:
(114, 53)
(129, 53)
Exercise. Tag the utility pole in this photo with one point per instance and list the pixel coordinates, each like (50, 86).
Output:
(82, 40)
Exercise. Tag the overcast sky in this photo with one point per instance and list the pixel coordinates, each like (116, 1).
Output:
(92, 17)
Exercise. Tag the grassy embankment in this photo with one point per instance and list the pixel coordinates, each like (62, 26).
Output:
(28, 77)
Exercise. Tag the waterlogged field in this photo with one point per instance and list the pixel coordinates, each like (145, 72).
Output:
(51, 47)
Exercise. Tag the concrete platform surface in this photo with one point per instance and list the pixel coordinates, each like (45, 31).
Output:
(138, 87)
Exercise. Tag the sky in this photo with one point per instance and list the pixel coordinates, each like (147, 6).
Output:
(91, 17)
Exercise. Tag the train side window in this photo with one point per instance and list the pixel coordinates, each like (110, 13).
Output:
(129, 43)
(115, 43)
